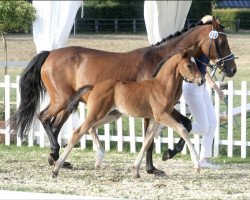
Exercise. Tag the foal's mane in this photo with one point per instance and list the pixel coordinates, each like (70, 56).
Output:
(161, 63)
(185, 29)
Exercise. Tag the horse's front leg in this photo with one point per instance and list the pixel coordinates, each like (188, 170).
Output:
(149, 136)
(167, 120)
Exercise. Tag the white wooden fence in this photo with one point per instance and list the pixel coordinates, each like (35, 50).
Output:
(233, 137)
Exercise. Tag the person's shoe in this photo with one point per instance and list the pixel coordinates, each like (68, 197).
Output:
(206, 163)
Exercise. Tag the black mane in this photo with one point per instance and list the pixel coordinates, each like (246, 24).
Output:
(185, 29)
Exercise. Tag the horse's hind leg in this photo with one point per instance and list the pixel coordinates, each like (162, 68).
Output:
(57, 123)
(46, 117)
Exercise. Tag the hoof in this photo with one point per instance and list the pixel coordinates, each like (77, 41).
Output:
(67, 165)
(198, 170)
(97, 167)
(51, 160)
(137, 176)
(168, 155)
(54, 174)
(156, 172)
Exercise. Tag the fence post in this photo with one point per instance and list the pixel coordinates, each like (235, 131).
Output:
(184, 112)
(82, 118)
(237, 25)
(230, 119)
(107, 137)
(243, 118)
(115, 25)
(217, 130)
(18, 100)
(134, 25)
(96, 25)
(7, 108)
(132, 135)
(119, 135)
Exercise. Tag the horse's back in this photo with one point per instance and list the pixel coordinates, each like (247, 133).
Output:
(78, 66)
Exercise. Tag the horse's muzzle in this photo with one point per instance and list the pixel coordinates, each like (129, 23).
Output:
(229, 72)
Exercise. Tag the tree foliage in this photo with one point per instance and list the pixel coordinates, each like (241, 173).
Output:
(16, 16)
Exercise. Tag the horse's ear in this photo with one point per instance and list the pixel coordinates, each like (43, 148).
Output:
(214, 22)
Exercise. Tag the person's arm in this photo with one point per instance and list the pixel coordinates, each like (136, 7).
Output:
(213, 85)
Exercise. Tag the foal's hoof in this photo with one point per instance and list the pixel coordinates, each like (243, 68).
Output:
(168, 154)
(51, 160)
(67, 165)
(137, 176)
(54, 174)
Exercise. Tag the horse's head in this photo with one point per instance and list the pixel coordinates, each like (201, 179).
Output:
(216, 47)
(188, 68)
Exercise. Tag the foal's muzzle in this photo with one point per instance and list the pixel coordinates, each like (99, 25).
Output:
(201, 81)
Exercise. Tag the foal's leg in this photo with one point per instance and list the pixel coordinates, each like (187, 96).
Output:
(100, 153)
(77, 134)
(149, 136)
(167, 120)
(168, 154)
(149, 158)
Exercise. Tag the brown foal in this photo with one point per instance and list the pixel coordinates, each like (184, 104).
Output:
(154, 99)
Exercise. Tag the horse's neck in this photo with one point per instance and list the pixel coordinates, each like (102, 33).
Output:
(185, 40)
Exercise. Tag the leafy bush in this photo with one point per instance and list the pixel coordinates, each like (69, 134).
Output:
(228, 17)
(16, 16)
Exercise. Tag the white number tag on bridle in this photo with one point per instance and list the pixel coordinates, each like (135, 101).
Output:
(213, 35)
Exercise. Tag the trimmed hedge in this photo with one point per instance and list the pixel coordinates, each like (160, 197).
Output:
(228, 18)
(113, 9)
(199, 9)
(120, 9)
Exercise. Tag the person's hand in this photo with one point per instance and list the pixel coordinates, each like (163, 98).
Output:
(219, 92)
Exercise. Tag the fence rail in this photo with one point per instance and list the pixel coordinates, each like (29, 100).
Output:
(128, 130)
(137, 25)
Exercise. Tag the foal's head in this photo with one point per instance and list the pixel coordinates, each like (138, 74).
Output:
(188, 68)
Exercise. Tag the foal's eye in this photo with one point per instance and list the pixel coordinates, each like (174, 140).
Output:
(189, 65)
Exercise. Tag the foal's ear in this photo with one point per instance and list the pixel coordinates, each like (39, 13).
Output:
(189, 51)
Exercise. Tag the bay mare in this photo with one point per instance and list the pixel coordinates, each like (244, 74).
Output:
(154, 99)
(63, 71)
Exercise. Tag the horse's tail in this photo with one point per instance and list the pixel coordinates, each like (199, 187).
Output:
(74, 100)
(31, 90)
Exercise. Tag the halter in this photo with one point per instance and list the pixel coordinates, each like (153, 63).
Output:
(213, 35)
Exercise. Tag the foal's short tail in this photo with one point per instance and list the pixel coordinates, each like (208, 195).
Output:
(74, 100)
(31, 90)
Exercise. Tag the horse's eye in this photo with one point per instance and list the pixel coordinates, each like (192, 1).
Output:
(222, 44)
